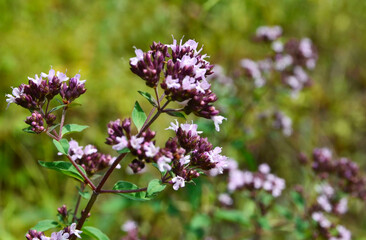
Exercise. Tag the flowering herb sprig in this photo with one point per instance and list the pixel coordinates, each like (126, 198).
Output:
(181, 71)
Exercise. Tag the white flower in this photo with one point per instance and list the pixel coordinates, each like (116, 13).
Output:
(50, 74)
(202, 86)
(122, 143)
(36, 79)
(189, 83)
(217, 121)
(62, 76)
(184, 160)
(344, 232)
(283, 62)
(264, 168)
(324, 203)
(90, 149)
(16, 93)
(173, 126)
(342, 206)
(163, 164)
(74, 231)
(225, 199)
(129, 226)
(277, 46)
(77, 77)
(172, 83)
(187, 61)
(136, 142)
(75, 151)
(139, 56)
(305, 47)
(190, 128)
(179, 182)
(151, 150)
(236, 180)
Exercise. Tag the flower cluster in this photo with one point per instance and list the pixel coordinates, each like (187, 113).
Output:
(255, 181)
(64, 234)
(343, 172)
(290, 59)
(41, 89)
(184, 73)
(283, 122)
(89, 158)
(329, 230)
(328, 201)
(182, 155)
(143, 147)
(131, 228)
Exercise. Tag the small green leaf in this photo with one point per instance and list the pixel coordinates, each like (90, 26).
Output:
(50, 129)
(94, 233)
(235, 216)
(85, 194)
(62, 145)
(155, 186)
(44, 225)
(28, 130)
(125, 150)
(69, 128)
(148, 97)
(57, 108)
(298, 199)
(176, 114)
(64, 167)
(123, 185)
(138, 116)
(263, 222)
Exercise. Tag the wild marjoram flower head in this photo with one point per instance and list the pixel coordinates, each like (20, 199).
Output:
(183, 155)
(184, 76)
(40, 90)
(64, 234)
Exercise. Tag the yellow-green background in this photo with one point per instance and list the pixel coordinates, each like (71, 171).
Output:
(96, 37)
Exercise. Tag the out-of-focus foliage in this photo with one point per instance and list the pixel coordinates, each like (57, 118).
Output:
(96, 37)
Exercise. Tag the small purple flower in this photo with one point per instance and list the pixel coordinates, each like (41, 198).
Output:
(136, 142)
(179, 182)
(163, 164)
(75, 231)
(217, 121)
(151, 150)
(122, 143)
(11, 98)
(139, 57)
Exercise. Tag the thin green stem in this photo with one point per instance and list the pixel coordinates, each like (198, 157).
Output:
(82, 187)
(124, 191)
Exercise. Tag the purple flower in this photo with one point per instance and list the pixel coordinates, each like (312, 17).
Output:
(122, 143)
(179, 182)
(75, 231)
(163, 164)
(139, 57)
(217, 121)
(136, 142)
(151, 150)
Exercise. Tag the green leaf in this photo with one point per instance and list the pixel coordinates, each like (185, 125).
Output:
(155, 186)
(69, 128)
(28, 130)
(263, 222)
(85, 194)
(176, 114)
(50, 129)
(298, 199)
(44, 225)
(57, 108)
(138, 116)
(62, 145)
(123, 185)
(125, 150)
(94, 233)
(231, 216)
(148, 97)
(64, 167)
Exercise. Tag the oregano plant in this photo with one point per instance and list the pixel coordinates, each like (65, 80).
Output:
(179, 72)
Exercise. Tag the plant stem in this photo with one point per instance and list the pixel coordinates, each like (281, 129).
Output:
(62, 121)
(86, 179)
(82, 187)
(99, 190)
(124, 191)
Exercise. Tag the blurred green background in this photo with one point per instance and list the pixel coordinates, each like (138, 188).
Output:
(96, 38)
